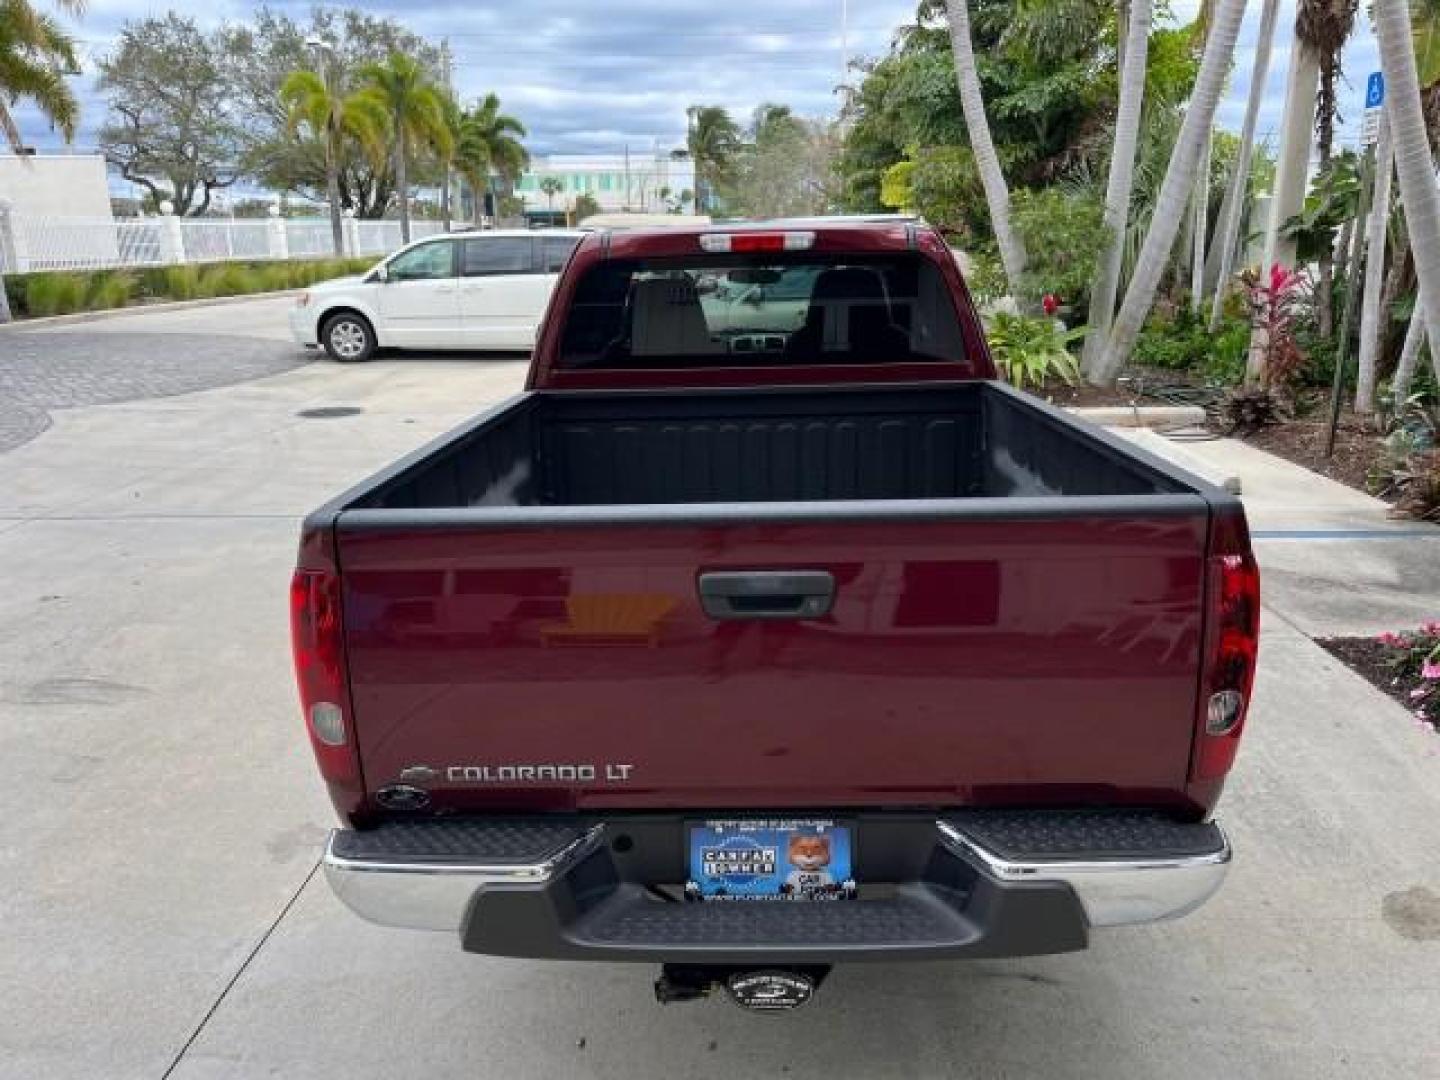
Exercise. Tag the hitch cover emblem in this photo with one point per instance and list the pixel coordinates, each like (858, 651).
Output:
(770, 991)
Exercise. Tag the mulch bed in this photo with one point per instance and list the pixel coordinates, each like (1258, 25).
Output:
(1371, 659)
(1359, 456)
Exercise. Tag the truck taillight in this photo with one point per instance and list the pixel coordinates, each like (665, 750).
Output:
(317, 636)
(1232, 639)
(739, 242)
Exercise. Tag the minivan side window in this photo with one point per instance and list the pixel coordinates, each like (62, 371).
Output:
(423, 263)
(489, 256)
(555, 252)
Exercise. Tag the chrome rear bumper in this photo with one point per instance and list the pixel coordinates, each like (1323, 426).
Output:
(438, 888)
(435, 895)
(1114, 892)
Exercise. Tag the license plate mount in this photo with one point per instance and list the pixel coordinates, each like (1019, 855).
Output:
(770, 859)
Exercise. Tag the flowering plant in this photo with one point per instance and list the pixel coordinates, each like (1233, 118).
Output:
(1415, 658)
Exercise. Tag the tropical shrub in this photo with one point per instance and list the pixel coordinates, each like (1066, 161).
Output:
(1248, 409)
(1064, 235)
(1414, 661)
(1275, 299)
(1179, 340)
(1030, 351)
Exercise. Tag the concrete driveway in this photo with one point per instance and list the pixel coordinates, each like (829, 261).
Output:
(160, 819)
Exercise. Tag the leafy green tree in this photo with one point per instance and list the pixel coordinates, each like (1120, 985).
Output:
(551, 186)
(35, 55)
(586, 206)
(788, 167)
(414, 103)
(262, 52)
(335, 119)
(713, 141)
(173, 127)
(489, 145)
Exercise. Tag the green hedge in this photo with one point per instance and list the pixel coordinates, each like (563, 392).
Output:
(62, 292)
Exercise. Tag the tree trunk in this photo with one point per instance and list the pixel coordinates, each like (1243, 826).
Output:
(1410, 357)
(1120, 185)
(1174, 191)
(332, 190)
(1202, 211)
(997, 196)
(1372, 333)
(445, 197)
(1297, 128)
(402, 186)
(1228, 234)
(5, 314)
(1412, 154)
(1293, 163)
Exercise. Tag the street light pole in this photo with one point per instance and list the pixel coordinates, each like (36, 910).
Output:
(322, 51)
(446, 181)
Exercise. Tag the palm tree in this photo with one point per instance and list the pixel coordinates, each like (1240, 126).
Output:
(1293, 161)
(416, 107)
(1228, 232)
(1170, 206)
(1413, 162)
(1374, 274)
(490, 144)
(1134, 48)
(551, 186)
(35, 56)
(713, 140)
(987, 161)
(1425, 32)
(334, 117)
(1322, 27)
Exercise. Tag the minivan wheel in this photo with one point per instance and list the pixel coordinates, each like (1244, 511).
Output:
(347, 337)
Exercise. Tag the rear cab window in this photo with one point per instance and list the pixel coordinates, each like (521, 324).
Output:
(744, 310)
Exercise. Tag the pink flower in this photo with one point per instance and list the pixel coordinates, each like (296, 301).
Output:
(1430, 669)
(1388, 638)
(1416, 695)
(1432, 628)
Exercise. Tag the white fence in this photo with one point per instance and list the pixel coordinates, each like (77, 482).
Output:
(56, 243)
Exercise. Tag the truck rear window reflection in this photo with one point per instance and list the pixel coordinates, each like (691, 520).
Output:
(727, 311)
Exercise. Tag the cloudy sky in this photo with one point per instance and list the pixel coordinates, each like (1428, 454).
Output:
(596, 75)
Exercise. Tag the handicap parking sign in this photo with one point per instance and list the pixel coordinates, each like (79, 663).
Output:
(1375, 90)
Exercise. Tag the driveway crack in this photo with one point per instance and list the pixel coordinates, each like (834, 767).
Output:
(235, 978)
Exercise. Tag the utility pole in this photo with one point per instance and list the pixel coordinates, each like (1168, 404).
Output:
(844, 50)
(445, 182)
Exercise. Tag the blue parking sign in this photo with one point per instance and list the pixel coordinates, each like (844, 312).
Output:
(1375, 90)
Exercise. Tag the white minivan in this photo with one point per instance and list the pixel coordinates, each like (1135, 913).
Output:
(470, 290)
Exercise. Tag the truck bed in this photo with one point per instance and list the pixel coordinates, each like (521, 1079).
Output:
(533, 591)
(961, 441)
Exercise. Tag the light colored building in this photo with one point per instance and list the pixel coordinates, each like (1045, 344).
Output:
(652, 182)
(55, 185)
(55, 199)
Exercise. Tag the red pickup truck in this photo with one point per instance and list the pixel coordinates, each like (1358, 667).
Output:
(766, 589)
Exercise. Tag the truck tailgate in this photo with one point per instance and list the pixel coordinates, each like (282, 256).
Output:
(966, 660)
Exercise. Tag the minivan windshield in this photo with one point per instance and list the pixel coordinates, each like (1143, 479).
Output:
(724, 311)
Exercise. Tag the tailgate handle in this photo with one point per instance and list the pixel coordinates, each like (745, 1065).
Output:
(767, 594)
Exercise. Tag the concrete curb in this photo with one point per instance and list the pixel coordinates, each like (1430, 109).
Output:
(141, 309)
(1176, 453)
(1143, 416)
